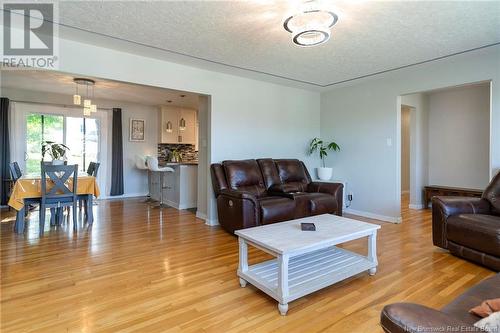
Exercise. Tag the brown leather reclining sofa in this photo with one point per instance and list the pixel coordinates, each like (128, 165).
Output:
(470, 227)
(257, 192)
(454, 317)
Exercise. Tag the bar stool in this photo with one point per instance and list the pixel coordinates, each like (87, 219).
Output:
(153, 167)
(141, 163)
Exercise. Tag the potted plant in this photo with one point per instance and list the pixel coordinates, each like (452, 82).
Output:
(317, 145)
(57, 151)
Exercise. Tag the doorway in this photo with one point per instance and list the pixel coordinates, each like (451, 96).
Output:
(405, 152)
(445, 140)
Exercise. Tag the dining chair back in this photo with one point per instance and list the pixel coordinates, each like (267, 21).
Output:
(93, 168)
(15, 171)
(60, 194)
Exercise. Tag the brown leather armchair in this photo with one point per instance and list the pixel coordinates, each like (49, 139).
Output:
(470, 227)
(256, 192)
(454, 317)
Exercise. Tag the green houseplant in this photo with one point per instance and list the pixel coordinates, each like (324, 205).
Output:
(57, 151)
(318, 145)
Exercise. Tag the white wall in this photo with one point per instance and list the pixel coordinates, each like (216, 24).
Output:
(363, 114)
(249, 118)
(135, 181)
(459, 132)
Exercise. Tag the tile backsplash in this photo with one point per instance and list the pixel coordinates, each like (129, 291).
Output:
(188, 152)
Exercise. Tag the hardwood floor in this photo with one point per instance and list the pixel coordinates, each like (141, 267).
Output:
(147, 270)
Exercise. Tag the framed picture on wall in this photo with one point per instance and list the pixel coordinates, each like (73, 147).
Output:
(137, 129)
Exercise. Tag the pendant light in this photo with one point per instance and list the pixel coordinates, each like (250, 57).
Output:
(88, 107)
(182, 124)
(169, 127)
(77, 99)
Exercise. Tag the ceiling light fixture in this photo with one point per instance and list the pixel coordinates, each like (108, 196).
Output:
(311, 24)
(88, 107)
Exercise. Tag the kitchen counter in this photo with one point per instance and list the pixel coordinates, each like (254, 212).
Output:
(177, 163)
(181, 186)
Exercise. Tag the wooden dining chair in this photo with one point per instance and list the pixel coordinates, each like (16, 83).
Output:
(15, 171)
(60, 195)
(15, 174)
(91, 171)
(93, 168)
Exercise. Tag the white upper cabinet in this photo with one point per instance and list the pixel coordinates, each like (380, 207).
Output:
(171, 131)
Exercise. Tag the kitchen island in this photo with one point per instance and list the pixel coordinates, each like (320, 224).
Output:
(180, 189)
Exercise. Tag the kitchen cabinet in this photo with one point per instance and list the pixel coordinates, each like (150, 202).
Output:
(175, 134)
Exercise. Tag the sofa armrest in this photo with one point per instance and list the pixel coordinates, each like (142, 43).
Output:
(239, 195)
(237, 210)
(444, 207)
(408, 317)
(334, 189)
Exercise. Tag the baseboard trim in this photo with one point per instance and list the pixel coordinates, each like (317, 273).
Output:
(369, 215)
(209, 222)
(416, 206)
(123, 196)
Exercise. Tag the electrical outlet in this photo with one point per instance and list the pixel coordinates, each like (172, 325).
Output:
(350, 196)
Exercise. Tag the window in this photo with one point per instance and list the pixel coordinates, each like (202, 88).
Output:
(39, 128)
(81, 135)
(82, 140)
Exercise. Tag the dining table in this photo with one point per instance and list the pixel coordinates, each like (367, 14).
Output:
(27, 190)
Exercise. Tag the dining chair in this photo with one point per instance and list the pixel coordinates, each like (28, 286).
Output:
(92, 170)
(60, 195)
(15, 171)
(15, 174)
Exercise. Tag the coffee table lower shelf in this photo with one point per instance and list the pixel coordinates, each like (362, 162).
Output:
(307, 273)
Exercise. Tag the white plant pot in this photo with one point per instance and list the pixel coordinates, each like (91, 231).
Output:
(325, 173)
(57, 162)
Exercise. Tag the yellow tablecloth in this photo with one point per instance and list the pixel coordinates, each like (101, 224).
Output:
(32, 188)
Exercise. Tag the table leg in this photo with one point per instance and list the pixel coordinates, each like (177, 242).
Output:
(243, 264)
(283, 283)
(90, 212)
(372, 251)
(19, 226)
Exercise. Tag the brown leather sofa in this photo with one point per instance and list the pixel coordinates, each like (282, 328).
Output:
(454, 317)
(257, 192)
(470, 227)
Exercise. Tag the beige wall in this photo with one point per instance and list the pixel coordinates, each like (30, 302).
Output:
(459, 135)
(405, 148)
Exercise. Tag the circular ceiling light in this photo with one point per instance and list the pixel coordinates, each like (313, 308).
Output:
(311, 25)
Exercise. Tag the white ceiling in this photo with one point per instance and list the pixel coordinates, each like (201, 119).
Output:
(370, 37)
(60, 83)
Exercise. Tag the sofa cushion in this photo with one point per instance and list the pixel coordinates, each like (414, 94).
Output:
(294, 174)
(269, 172)
(322, 203)
(477, 231)
(460, 306)
(244, 176)
(276, 209)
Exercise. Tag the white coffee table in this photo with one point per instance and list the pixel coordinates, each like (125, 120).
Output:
(306, 261)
